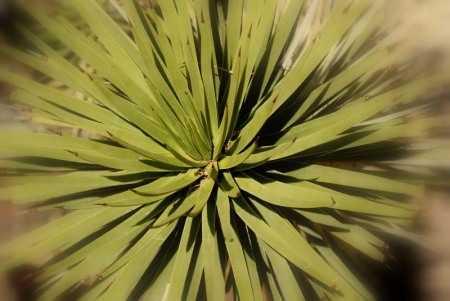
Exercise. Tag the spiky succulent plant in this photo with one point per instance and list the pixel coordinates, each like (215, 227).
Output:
(240, 148)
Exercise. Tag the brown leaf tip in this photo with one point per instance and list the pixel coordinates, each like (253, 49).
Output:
(73, 153)
(90, 77)
(202, 18)
(334, 202)
(275, 100)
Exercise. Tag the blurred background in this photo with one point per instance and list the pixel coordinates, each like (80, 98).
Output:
(418, 272)
(426, 25)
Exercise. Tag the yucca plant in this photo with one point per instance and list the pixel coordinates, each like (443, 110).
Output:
(239, 149)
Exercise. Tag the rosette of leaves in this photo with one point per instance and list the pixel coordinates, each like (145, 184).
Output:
(239, 148)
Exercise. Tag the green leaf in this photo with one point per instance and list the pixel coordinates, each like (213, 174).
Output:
(327, 128)
(203, 194)
(343, 270)
(195, 276)
(30, 189)
(362, 180)
(60, 234)
(183, 258)
(234, 25)
(208, 61)
(143, 145)
(252, 128)
(92, 156)
(214, 275)
(97, 290)
(408, 130)
(250, 251)
(102, 253)
(62, 99)
(281, 194)
(338, 83)
(353, 235)
(262, 155)
(150, 243)
(228, 184)
(348, 202)
(160, 286)
(234, 248)
(169, 184)
(279, 40)
(129, 275)
(337, 24)
(103, 246)
(220, 137)
(55, 114)
(176, 209)
(129, 198)
(228, 162)
(285, 277)
(270, 232)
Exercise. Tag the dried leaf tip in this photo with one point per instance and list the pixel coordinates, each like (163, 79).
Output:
(334, 287)
(202, 18)
(90, 77)
(73, 153)
(249, 34)
(334, 202)
(55, 132)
